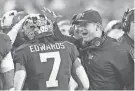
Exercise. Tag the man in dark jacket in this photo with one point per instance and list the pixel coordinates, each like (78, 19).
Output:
(109, 67)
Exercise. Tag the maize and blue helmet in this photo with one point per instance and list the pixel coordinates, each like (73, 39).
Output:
(37, 26)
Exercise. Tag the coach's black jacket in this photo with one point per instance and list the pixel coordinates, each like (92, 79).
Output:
(108, 65)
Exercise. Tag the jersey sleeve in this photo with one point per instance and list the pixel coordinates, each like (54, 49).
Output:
(74, 53)
(21, 54)
(19, 57)
(5, 45)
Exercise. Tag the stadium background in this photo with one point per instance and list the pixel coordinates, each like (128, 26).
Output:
(109, 9)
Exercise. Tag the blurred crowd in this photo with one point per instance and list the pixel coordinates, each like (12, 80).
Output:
(109, 9)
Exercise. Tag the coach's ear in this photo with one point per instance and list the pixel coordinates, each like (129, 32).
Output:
(99, 26)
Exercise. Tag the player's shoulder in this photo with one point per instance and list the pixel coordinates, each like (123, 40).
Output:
(68, 43)
(22, 47)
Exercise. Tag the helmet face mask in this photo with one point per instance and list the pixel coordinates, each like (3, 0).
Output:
(36, 25)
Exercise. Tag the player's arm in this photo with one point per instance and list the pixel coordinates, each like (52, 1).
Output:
(6, 60)
(20, 72)
(7, 70)
(80, 76)
(6, 65)
(6, 57)
(78, 71)
(20, 75)
(14, 31)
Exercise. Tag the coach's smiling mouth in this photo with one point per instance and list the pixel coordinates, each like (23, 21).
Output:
(84, 34)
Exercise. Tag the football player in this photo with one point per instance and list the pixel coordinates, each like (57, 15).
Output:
(123, 31)
(128, 22)
(128, 28)
(44, 62)
(5, 47)
(7, 66)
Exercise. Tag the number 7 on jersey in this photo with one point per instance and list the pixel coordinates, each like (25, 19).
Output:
(52, 82)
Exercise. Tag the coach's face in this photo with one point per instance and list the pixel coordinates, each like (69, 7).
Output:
(89, 31)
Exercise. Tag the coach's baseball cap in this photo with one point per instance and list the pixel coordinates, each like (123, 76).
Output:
(88, 16)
